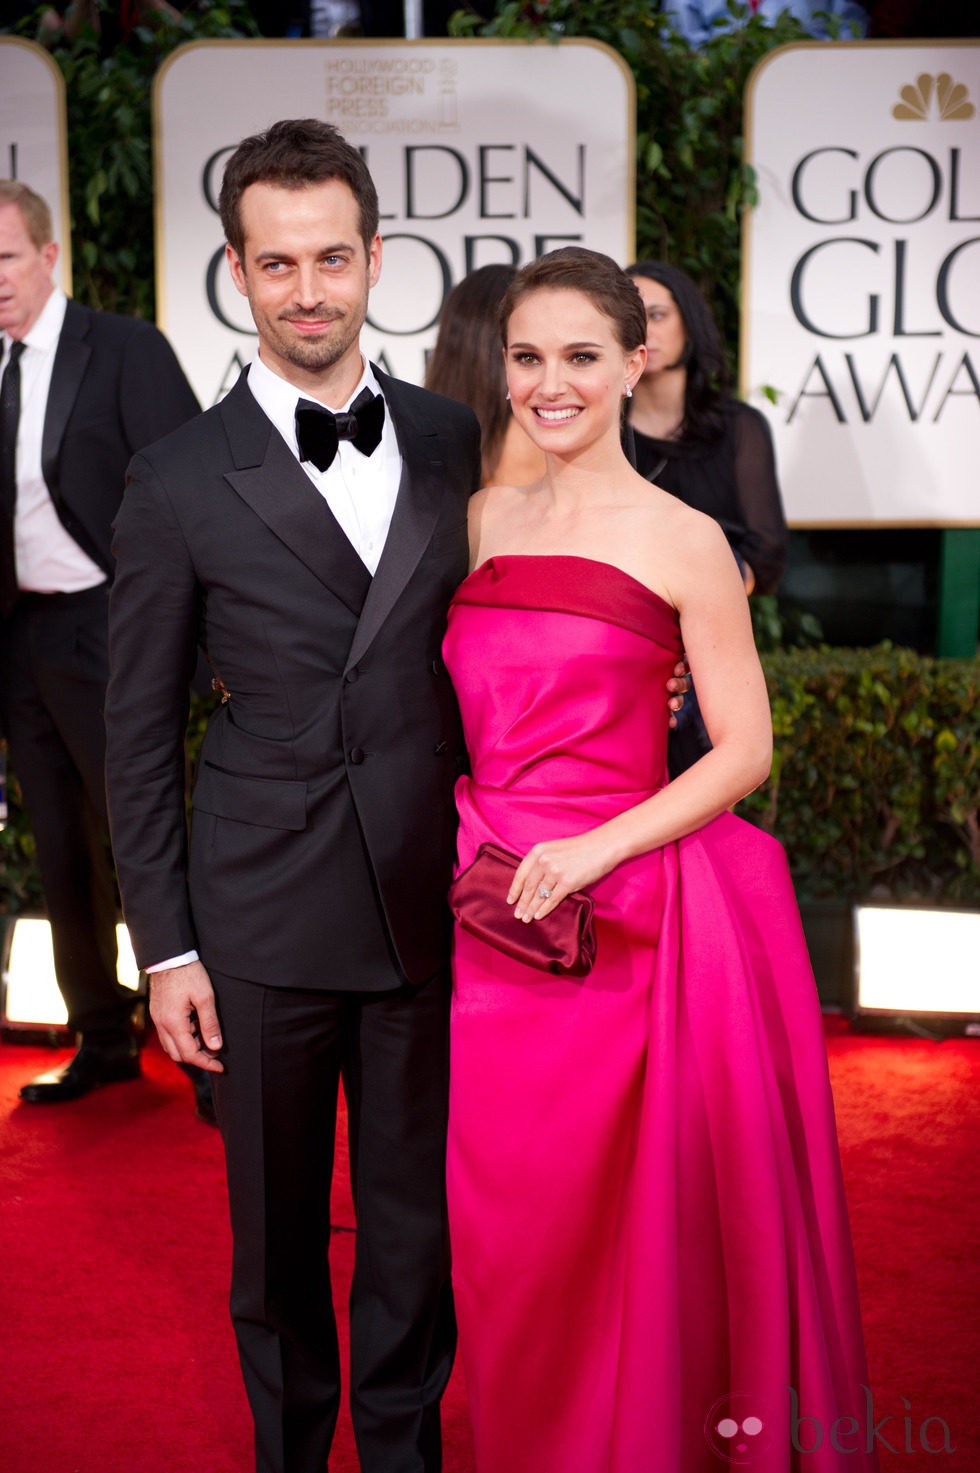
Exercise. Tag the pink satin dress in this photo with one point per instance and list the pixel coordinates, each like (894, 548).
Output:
(651, 1253)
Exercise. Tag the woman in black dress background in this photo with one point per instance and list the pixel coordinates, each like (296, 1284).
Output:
(696, 441)
(706, 448)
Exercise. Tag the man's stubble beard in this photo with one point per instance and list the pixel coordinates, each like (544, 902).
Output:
(317, 355)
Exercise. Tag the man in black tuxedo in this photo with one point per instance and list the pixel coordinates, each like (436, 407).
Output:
(80, 392)
(301, 935)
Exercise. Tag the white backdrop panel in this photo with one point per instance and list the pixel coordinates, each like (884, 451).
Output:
(482, 151)
(861, 279)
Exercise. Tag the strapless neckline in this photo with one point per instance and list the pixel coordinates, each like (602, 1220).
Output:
(580, 585)
(570, 557)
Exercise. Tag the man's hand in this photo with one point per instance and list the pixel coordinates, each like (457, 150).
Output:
(182, 1008)
(678, 685)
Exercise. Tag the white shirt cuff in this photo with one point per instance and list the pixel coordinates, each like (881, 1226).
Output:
(175, 961)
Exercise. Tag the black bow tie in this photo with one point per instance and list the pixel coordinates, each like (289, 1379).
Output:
(319, 431)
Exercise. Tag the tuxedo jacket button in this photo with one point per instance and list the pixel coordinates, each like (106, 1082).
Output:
(436, 667)
(356, 756)
(352, 675)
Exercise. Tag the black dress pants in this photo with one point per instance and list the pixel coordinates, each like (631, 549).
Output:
(53, 672)
(284, 1053)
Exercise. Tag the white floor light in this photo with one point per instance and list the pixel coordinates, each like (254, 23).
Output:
(915, 961)
(30, 996)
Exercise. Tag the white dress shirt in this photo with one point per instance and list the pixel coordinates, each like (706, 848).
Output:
(360, 490)
(49, 560)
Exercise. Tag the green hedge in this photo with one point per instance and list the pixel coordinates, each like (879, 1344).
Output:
(875, 785)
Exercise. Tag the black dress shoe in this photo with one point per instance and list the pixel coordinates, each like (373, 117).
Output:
(92, 1065)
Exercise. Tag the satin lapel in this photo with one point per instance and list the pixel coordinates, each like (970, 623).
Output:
(269, 479)
(420, 495)
(70, 362)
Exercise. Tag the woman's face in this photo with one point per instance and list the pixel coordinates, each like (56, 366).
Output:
(566, 370)
(666, 336)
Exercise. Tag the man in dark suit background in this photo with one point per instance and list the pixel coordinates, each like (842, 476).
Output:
(302, 936)
(80, 392)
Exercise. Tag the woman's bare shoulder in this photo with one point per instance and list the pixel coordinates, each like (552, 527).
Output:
(500, 500)
(677, 548)
(495, 517)
(695, 531)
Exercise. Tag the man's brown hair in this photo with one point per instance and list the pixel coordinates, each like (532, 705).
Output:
(294, 154)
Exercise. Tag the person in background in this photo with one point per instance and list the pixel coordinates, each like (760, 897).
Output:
(326, 18)
(700, 20)
(80, 392)
(692, 438)
(710, 450)
(467, 364)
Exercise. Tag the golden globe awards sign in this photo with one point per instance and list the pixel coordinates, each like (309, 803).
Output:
(33, 133)
(861, 279)
(482, 152)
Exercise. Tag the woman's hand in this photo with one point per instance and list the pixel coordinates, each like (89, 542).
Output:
(553, 869)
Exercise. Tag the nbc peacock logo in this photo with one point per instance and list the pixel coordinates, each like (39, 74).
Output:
(937, 96)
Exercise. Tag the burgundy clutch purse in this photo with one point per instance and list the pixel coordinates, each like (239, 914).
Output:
(563, 942)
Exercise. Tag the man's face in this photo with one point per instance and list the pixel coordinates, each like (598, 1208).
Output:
(306, 275)
(25, 274)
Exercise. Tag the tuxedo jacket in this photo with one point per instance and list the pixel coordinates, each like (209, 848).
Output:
(116, 386)
(322, 833)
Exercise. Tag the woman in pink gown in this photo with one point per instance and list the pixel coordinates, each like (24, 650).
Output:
(652, 1261)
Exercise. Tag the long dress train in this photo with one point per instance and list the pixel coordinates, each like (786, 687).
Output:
(652, 1259)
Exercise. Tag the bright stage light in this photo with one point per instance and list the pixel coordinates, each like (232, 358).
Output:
(29, 996)
(914, 961)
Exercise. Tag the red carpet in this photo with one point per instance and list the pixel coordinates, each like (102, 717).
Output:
(117, 1354)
